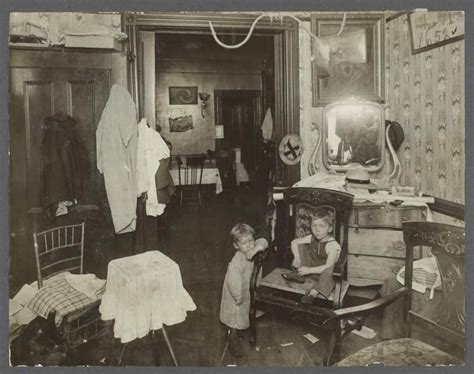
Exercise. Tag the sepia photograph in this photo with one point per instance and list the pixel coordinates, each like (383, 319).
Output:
(237, 189)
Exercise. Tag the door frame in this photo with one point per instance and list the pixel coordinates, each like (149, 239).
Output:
(286, 47)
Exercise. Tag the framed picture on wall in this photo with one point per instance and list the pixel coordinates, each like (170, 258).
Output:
(183, 95)
(434, 29)
(354, 64)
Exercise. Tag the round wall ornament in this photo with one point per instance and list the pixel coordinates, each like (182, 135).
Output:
(291, 149)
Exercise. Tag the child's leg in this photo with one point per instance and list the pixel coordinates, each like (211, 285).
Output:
(235, 347)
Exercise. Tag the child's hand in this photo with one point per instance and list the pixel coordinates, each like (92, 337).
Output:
(238, 302)
(296, 263)
(304, 270)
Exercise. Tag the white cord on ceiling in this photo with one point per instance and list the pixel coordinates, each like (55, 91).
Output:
(249, 34)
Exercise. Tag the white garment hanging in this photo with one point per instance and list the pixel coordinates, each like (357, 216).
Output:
(151, 149)
(267, 125)
(116, 139)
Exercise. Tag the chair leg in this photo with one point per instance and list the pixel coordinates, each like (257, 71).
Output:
(333, 343)
(253, 325)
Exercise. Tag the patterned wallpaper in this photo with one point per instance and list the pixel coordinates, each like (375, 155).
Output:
(425, 94)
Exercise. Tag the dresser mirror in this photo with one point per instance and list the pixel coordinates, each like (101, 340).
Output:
(353, 135)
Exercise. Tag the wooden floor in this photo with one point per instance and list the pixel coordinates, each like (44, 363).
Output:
(198, 242)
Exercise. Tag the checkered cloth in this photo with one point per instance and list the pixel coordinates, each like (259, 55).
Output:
(57, 295)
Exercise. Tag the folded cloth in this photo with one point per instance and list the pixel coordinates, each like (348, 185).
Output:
(58, 296)
(88, 284)
(322, 180)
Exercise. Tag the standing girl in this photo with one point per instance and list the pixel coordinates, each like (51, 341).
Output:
(235, 303)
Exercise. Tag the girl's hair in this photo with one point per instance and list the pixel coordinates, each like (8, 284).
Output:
(325, 215)
(240, 230)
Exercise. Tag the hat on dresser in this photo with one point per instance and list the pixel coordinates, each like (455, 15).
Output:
(359, 178)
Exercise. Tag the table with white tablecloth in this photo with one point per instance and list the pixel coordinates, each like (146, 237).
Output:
(209, 176)
(143, 293)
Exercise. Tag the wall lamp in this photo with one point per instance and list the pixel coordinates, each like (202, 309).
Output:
(204, 97)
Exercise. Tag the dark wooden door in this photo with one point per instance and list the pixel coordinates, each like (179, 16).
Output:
(239, 112)
(41, 84)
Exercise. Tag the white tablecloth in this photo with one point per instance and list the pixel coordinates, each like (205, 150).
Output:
(143, 292)
(209, 176)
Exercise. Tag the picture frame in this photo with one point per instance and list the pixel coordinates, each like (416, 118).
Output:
(435, 29)
(360, 79)
(183, 95)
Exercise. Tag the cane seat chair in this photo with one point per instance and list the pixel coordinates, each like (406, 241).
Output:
(190, 171)
(446, 326)
(58, 251)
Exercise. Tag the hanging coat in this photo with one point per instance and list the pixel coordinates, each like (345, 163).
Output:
(64, 161)
(116, 157)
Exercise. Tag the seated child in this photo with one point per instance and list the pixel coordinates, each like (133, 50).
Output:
(235, 303)
(318, 258)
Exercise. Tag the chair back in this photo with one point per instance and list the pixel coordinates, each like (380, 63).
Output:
(302, 203)
(447, 243)
(190, 172)
(58, 250)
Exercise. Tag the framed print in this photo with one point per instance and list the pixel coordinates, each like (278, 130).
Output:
(183, 95)
(355, 60)
(434, 29)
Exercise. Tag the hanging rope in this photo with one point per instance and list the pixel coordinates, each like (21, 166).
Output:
(249, 34)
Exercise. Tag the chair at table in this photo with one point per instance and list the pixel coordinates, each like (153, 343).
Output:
(190, 179)
(276, 294)
(60, 250)
(447, 244)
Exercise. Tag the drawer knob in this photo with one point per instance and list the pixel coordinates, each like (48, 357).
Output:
(405, 218)
(399, 245)
(370, 217)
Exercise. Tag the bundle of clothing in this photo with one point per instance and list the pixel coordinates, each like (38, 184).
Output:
(64, 164)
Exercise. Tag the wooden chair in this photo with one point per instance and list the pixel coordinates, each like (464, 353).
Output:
(225, 162)
(276, 294)
(190, 179)
(447, 244)
(61, 250)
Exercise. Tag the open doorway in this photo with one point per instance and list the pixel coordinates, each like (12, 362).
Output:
(277, 79)
(240, 85)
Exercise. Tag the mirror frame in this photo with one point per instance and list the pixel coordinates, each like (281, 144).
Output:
(352, 101)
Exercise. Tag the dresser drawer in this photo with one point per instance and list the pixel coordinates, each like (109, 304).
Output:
(376, 242)
(367, 270)
(412, 214)
(383, 216)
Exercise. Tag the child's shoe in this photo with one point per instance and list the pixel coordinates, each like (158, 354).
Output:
(293, 277)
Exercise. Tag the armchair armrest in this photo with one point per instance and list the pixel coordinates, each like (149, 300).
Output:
(367, 308)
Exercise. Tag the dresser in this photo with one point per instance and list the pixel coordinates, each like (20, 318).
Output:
(376, 248)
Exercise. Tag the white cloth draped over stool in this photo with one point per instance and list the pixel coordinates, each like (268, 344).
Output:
(144, 292)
